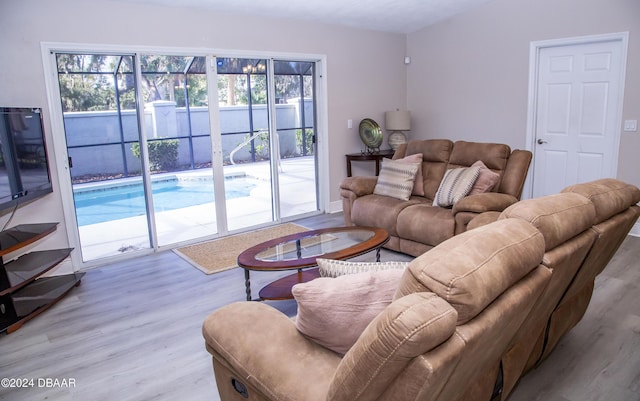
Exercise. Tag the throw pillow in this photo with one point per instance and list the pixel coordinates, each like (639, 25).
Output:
(409, 327)
(487, 179)
(396, 179)
(418, 182)
(334, 311)
(455, 185)
(335, 268)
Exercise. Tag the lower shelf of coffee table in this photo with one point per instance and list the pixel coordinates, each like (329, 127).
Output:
(281, 289)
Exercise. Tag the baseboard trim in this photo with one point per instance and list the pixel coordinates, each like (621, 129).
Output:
(335, 207)
(635, 230)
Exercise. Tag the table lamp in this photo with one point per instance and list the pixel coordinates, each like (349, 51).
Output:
(397, 121)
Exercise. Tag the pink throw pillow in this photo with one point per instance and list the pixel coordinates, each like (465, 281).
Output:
(487, 179)
(418, 183)
(334, 311)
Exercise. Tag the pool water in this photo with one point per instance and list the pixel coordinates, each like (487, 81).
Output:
(119, 202)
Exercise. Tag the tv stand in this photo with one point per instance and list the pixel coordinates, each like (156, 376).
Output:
(24, 294)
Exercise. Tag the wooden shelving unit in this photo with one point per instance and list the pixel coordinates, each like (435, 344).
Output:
(24, 294)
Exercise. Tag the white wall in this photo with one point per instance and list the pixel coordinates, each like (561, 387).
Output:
(365, 71)
(469, 74)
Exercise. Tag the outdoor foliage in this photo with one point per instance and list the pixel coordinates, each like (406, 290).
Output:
(94, 82)
(232, 89)
(289, 86)
(305, 144)
(84, 83)
(91, 82)
(163, 154)
(261, 144)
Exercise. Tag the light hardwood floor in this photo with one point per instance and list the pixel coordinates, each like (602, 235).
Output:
(132, 331)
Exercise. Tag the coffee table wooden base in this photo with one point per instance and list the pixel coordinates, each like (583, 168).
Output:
(281, 289)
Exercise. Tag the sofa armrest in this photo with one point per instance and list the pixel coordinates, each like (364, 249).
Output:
(515, 173)
(359, 186)
(264, 348)
(486, 202)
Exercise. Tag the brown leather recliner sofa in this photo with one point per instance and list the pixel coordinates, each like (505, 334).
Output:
(583, 228)
(468, 318)
(415, 225)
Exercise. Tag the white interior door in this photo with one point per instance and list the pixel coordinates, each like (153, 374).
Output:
(577, 113)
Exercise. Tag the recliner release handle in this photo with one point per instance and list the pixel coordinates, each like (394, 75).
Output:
(240, 388)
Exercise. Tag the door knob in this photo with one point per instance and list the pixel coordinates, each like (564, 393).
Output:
(540, 141)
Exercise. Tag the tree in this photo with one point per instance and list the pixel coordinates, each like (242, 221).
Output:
(88, 81)
(288, 86)
(84, 84)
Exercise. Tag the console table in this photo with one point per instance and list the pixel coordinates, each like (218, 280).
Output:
(377, 157)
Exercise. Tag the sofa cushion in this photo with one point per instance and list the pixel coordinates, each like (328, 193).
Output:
(418, 182)
(472, 269)
(494, 155)
(380, 211)
(455, 185)
(396, 179)
(486, 181)
(609, 196)
(335, 268)
(425, 224)
(435, 155)
(558, 217)
(334, 311)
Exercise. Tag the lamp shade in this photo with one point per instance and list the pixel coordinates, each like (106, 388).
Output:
(399, 120)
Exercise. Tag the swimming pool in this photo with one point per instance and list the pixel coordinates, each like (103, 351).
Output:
(109, 203)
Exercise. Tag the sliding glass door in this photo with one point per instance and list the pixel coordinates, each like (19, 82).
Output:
(178, 138)
(153, 163)
(98, 95)
(294, 86)
(267, 112)
(246, 140)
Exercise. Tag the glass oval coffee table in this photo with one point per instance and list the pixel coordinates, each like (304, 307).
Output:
(299, 251)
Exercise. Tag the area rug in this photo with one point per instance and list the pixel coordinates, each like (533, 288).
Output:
(222, 254)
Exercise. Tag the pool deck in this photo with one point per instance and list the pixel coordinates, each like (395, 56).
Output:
(194, 223)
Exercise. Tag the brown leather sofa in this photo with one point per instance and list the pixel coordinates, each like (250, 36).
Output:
(415, 225)
(468, 318)
(583, 228)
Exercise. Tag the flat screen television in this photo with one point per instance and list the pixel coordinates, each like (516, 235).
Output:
(24, 168)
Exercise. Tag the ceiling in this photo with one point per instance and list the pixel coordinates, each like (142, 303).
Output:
(401, 16)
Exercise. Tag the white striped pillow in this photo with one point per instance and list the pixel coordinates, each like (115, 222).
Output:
(336, 268)
(455, 185)
(396, 179)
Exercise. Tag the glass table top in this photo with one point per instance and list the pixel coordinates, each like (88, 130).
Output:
(314, 245)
